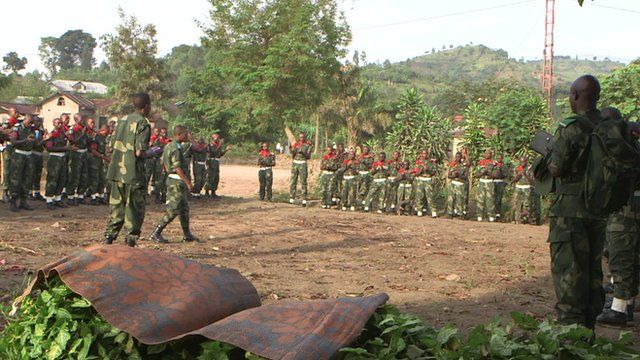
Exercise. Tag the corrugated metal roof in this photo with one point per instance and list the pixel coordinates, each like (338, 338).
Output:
(80, 86)
(78, 99)
(23, 109)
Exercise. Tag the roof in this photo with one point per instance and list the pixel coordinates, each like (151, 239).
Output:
(80, 86)
(23, 109)
(102, 103)
(78, 99)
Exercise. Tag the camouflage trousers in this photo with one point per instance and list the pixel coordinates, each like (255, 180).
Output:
(150, 167)
(97, 179)
(177, 203)
(457, 198)
(298, 171)
(485, 198)
(56, 176)
(20, 175)
(499, 188)
(337, 185)
(265, 178)
(525, 204)
(375, 197)
(126, 208)
(404, 197)
(327, 181)
(213, 174)
(364, 184)
(78, 179)
(199, 176)
(36, 159)
(425, 195)
(576, 254)
(6, 167)
(623, 243)
(349, 191)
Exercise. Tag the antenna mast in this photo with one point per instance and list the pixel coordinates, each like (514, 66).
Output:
(547, 67)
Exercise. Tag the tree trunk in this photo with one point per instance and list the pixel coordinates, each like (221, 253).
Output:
(317, 139)
(352, 132)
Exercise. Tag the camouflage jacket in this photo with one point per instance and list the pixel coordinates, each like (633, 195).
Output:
(20, 132)
(350, 167)
(215, 150)
(426, 168)
(78, 137)
(266, 158)
(173, 158)
(99, 143)
(301, 151)
(527, 175)
(131, 135)
(458, 171)
(366, 161)
(379, 170)
(199, 152)
(330, 162)
(56, 140)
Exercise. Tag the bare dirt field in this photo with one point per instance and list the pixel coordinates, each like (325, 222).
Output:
(445, 271)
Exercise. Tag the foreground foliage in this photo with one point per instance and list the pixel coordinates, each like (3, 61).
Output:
(55, 323)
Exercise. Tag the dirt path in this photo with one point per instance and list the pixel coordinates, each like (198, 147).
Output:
(446, 271)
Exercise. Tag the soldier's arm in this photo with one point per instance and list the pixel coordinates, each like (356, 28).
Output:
(143, 134)
(563, 149)
(15, 141)
(307, 154)
(176, 164)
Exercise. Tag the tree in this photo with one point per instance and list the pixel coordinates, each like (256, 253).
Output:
(131, 53)
(14, 63)
(620, 88)
(473, 137)
(73, 49)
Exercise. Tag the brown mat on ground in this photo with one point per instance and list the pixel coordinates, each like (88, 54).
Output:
(158, 297)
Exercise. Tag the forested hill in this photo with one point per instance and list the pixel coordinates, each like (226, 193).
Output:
(476, 64)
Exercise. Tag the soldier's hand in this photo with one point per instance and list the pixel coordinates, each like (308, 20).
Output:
(190, 186)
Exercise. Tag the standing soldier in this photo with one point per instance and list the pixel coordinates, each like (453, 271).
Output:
(379, 173)
(524, 198)
(405, 189)
(349, 182)
(341, 156)
(151, 164)
(499, 174)
(130, 144)
(364, 173)
(329, 165)
(458, 175)
(485, 196)
(178, 186)
(78, 166)
(199, 166)
(112, 129)
(425, 190)
(36, 158)
(7, 154)
(56, 145)
(97, 162)
(266, 162)
(391, 191)
(215, 151)
(21, 175)
(300, 153)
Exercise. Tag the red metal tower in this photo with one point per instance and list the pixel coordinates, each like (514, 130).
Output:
(547, 67)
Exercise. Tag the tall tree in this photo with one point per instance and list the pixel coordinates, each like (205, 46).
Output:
(620, 88)
(73, 49)
(131, 53)
(14, 63)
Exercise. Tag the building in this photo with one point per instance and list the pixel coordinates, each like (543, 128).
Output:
(63, 102)
(79, 87)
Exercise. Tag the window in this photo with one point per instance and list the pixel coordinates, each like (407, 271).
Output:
(61, 101)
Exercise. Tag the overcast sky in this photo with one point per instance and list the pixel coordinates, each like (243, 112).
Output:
(384, 29)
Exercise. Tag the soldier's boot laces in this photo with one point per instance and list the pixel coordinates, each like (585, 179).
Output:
(157, 234)
(188, 236)
(612, 317)
(13, 205)
(24, 205)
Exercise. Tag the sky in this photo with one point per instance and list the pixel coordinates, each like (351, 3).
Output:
(384, 29)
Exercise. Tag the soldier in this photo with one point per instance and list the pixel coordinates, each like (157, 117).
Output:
(199, 166)
(341, 156)
(130, 145)
(485, 196)
(178, 186)
(97, 162)
(7, 153)
(66, 119)
(425, 172)
(159, 177)
(215, 151)
(393, 165)
(78, 162)
(300, 153)
(524, 198)
(112, 129)
(364, 173)
(187, 152)
(266, 162)
(21, 174)
(349, 182)
(151, 165)
(36, 158)
(56, 145)
(404, 196)
(379, 173)
(329, 165)
(458, 175)
(576, 236)
(498, 174)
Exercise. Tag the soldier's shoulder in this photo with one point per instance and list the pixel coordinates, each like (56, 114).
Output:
(569, 121)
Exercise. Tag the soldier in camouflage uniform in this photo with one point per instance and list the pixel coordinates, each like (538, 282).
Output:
(341, 156)
(130, 144)
(36, 158)
(366, 160)
(524, 197)
(393, 165)
(78, 162)
(379, 173)
(7, 153)
(21, 174)
(199, 166)
(499, 174)
(404, 196)
(485, 196)
(112, 129)
(150, 165)
(178, 186)
(329, 165)
(97, 162)
(349, 196)
(300, 153)
(576, 236)
(215, 151)
(56, 145)
(458, 175)
(266, 162)
(425, 173)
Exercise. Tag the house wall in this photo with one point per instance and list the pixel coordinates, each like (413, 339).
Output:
(51, 110)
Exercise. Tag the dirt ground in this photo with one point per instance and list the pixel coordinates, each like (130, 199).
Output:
(445, 271)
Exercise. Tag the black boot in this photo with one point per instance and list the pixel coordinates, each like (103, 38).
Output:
(108, 240)
(71, 202)
(13, 205)
(94, 202)
(131, 241)
(24, 205)
(612, 318)
(157, 234)
(51, 206)
(188, 236)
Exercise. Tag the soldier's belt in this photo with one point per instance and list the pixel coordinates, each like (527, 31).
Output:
(498, 180)
(201, 162)
(380, 180)
(214, 159)
(486, 181)
(58, 154)
(36, 152)
(391, 178)
(457, 183)
(299, 162)
(349, 177)
(174, 176)
(363, 172)
(22, 152)
(424, 178)
(81, 151)
(266, 167)
(327, 172)
(521, 186)
(405, 185)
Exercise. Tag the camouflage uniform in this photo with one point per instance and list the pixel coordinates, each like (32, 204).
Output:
(364, 176)
(349, 184)
(78, 164)
(525, 202)
(56, 164)
(391, 191)
(576, 236)
(404, 196)
(266, 161)
(425, 186)
(6, 158)
(128, 182)
(97, 179)
(215, 152)
(38, 163)
(458, 190)
(499, 184)
(485, 196)
(153, 167)
(199, 167)
(301, 153)
(186, 148)
(21, 174)
(177, 191)
(329, 165)
(337, 178)
(375, 197)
